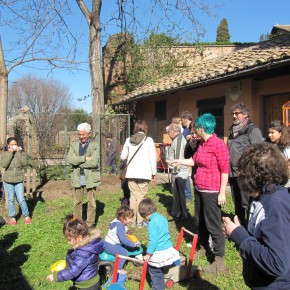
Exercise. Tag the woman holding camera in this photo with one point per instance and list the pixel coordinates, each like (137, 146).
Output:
(13, 160)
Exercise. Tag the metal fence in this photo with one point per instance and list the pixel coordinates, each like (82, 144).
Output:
(46, 138)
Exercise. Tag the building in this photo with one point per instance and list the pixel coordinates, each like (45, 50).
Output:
(258, 75)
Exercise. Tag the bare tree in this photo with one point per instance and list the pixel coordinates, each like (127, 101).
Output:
(45, 98)
(40, 33)
(43, 35)
(163, 15)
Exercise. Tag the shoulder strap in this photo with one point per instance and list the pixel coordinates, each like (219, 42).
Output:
(178, 146)
(137, 150)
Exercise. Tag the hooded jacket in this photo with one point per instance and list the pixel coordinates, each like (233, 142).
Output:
(143, 165)
(82, 262)
(13, 163)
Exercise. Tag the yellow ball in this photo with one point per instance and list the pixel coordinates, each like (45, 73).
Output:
(58, 266)
(132, 238)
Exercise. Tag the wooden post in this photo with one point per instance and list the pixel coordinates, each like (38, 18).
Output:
(33, 180)
(28, 174)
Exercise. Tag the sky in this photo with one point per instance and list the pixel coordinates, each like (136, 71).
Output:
(247, 21)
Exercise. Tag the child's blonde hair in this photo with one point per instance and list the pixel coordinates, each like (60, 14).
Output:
(124, 212)
(73, 227)
(146, 207)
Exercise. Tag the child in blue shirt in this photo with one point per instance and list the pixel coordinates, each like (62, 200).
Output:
(116, 241)
(160, 252)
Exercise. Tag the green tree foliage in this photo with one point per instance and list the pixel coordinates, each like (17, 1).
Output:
(75, 117)
(267, 36)
(151, 60)
(223, 34)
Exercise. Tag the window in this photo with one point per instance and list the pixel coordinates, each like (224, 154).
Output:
(160, 110)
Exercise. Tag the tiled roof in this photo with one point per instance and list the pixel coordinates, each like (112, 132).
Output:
(253, 58)
(277, 28)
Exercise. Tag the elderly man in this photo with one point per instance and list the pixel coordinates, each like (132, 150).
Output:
(179, 174)
(186, 119)
(243, 132)
(84, 158)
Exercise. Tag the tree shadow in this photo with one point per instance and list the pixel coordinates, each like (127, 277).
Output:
(11, 276)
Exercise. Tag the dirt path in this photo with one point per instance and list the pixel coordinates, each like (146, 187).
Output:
(109, 183)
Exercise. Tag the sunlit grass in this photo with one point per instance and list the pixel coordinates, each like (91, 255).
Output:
(27, 251)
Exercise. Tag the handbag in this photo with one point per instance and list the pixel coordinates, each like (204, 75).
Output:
(123, 172)
(122, 175)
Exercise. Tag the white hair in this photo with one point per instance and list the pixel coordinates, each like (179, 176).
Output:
(84, 127)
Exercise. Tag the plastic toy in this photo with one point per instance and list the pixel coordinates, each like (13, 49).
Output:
(178, 272)
(115, 277)
(57, 266)
(132, 238)
(106, 264)
(184, 270)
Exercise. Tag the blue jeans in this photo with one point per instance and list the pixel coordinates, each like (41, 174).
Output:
(188, 194)
(116, 250)
(18, 190)
(157, 277)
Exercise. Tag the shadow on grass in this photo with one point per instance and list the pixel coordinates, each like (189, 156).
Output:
(200, 284)
(189, 223)
(10, 264)
(99, 210)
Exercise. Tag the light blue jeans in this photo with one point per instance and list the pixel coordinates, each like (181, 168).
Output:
(18, 190)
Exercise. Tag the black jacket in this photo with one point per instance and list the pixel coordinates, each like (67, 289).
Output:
(249, 135)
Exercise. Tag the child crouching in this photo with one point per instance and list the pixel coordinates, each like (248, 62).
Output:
(160, 253)
(82, 260)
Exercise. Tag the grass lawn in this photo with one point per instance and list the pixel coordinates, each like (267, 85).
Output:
(27, 251)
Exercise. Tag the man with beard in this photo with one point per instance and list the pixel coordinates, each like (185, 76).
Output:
(243, 132)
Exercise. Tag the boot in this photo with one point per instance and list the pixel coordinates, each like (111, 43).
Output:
(200, 253)
(218, 266)
(204, 252)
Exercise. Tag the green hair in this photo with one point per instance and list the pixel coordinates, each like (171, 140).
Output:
(207, 121)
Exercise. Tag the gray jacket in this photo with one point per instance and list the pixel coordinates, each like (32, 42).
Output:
(237, 144)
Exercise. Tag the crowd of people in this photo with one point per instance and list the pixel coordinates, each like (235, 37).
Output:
(256, 169)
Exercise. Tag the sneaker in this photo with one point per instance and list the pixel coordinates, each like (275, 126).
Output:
(122, 271)
(12, 222)
(27, 220)
(142, 225)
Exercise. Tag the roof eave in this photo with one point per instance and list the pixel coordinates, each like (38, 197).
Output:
(219, 79)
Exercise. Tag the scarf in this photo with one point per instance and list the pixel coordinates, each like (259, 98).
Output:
(237, 128)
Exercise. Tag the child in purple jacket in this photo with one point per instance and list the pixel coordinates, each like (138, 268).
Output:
(82, 260)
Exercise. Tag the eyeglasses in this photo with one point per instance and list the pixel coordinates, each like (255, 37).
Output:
(236, 113)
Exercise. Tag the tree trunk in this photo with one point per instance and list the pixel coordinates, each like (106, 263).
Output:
(3, 98)
(96, 66)
(97, 85)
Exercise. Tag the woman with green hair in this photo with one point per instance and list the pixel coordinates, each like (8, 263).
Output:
(210, 180)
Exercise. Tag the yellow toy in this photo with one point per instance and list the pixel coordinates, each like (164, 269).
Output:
(57, 266)
(132, 238)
